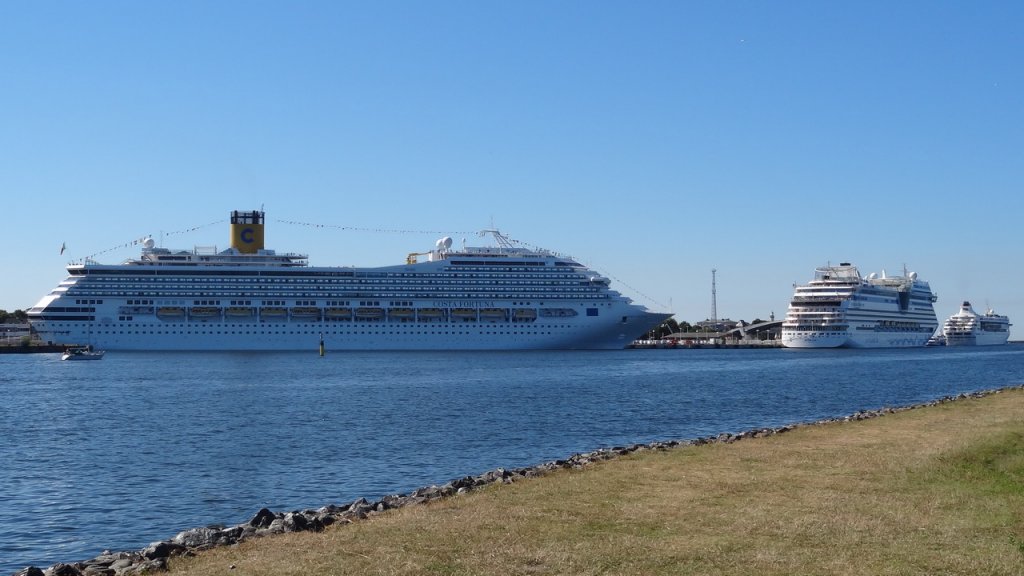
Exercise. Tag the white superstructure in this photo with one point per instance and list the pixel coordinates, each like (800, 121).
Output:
(840, 308)
(251, 298)
(968, 328)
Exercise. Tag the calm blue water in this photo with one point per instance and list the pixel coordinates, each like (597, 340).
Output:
(138, 446)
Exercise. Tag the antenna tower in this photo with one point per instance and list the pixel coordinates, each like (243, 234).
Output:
(714, 297)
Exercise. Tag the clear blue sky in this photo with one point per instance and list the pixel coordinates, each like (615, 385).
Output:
(652, 140)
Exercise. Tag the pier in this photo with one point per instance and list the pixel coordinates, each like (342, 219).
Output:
(760, 335)
(694, 343)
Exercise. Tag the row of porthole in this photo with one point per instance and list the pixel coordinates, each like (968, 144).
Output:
(389, 327)
(439, 333)
(360, 330)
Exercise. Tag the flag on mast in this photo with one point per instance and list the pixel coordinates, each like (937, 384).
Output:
(62, 246)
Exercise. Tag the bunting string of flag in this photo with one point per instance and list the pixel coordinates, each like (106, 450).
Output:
(593, 267)
(397, 231)
(512, 240)
(619, 282)
(135, 242)
(142, 239)
(194, 228)
(358, 229)
(529, 246)
(599, 269)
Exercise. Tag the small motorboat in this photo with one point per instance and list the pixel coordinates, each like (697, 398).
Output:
(82, 353)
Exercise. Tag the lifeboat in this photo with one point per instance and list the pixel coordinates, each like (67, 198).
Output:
(493, 314)
(204, 312)
(170, 312)
(338, 313)
(400, 313)
(463, 314)
(272, 313)
(524, 314)
(426, 314)
(369, 313)
(238, 312)
(306, 312)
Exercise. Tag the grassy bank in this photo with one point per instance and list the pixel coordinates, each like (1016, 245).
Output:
(938, 490)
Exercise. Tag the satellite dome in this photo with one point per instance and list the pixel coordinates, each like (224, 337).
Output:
(444, 243)
(872, 276)
(912, 275)
(148, 243)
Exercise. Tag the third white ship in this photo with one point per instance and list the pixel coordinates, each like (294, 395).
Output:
(968, 328)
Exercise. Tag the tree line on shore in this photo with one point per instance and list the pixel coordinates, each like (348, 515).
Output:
(16, 317)
(671, 326)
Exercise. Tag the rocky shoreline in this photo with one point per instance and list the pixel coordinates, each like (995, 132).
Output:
(266, 522)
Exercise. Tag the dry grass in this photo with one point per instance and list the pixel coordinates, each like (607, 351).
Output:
(931, 491)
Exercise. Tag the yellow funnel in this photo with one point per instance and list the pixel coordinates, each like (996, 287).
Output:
(247, 231)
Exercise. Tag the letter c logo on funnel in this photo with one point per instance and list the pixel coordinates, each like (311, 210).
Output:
(246, 235)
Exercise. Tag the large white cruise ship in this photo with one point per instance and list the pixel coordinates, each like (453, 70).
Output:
(968, 328)
(840, 308)
(250, 298)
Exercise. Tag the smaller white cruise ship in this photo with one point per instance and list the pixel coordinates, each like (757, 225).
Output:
(968, 328)
(839, 308)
